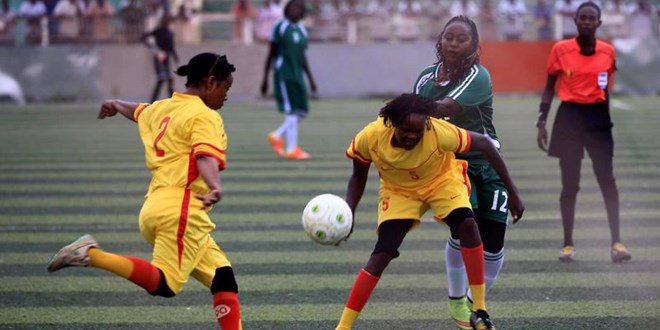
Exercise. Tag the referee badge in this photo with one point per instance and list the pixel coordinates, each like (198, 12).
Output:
(602, 80)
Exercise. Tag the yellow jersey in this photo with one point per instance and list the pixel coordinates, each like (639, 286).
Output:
(174, 132)
(429, 164)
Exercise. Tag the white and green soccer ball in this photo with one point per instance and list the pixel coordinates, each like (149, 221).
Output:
(327, 219)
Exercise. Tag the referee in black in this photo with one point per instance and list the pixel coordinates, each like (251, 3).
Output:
(161, 43)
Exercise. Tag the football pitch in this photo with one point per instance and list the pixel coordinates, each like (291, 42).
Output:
(63, 173)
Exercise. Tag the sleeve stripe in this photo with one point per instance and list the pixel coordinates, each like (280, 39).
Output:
(464, 85)
(422, 81)
(356, 155)
(221, 163)
(210, 145)
(138, 110)
(359, 160)
(468, 142)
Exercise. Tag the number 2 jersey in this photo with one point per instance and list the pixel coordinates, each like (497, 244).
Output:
(174, 132)
(429, 164)
(473, 92)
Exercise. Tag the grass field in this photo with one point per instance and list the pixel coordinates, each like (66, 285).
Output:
(63, 173)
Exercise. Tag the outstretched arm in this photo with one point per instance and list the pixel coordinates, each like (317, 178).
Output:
(208, 170)
(355, 188)
(544, 109)
(482, 143)
(109, 108)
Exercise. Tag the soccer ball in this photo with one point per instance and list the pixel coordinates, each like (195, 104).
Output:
(327, 219)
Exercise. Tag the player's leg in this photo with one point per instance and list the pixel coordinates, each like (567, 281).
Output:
(491, 214)
(85, 252)
(299, 108)
(600, 147)
(159, 67)
(462, 221)
(215, 271)
(570, 167)
(567, 143)
(276, 137)
(390, 235)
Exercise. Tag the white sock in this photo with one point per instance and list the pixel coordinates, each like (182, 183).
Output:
(456, 275)
(494, 262)
(291, 132)
(279, 132)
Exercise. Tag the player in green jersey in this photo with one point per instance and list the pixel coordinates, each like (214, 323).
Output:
(287, 55)
(462, 89)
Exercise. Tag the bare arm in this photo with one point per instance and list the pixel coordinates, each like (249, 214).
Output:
(109, 108)
(546, 101)
(208, 170)
(355, 188)
(264, 82)
(446, 107)
(483, 144)
(312, 83)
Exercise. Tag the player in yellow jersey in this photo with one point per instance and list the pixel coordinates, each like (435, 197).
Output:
(414, 155)
(184, 142)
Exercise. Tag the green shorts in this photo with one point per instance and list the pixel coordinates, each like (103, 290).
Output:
(291, 97)
(489, 196)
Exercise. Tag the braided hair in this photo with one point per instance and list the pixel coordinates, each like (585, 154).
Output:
(398, 109)
(204, 65)
(453, 74)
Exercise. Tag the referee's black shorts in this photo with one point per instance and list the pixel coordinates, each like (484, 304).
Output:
(579, 126)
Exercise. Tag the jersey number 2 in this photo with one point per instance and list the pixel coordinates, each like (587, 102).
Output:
(163, 128)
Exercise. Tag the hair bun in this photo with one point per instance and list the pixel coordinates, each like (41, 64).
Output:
(183, 70)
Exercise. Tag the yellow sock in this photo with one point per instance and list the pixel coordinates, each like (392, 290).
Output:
(117, 264)
(348, 317)
(478, 296)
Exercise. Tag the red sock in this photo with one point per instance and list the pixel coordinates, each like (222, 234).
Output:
(473, 257)
(362, 288)
(144, 274)
(227, 310)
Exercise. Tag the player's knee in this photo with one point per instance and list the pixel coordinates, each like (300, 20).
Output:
(224, 281)
(163, 289)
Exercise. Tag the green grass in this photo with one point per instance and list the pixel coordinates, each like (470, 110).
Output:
(64, 173)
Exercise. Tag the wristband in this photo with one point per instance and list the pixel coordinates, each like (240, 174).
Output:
(544, 109)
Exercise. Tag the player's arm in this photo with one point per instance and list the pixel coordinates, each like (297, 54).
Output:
(483, 143)
(109, 108)
(446, 107)
(208, 170)
(356, 185)
(544, 109)
(312, 83)
(271, 53)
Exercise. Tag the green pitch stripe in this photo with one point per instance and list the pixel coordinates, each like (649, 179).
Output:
(305, 312)
(275, 283)
(248, 218)
(333, 255)
(428, 231)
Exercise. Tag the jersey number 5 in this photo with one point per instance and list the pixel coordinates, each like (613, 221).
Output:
(163, 128)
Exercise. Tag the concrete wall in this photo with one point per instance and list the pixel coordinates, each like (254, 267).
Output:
(340, 70)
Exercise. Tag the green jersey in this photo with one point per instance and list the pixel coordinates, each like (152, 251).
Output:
(291, 40)
(473, 92)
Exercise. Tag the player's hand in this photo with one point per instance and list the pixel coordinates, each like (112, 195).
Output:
(516, 207)
(542, 138)
(211, 198)
(264, 87)
(108, 109)
(312, 86)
